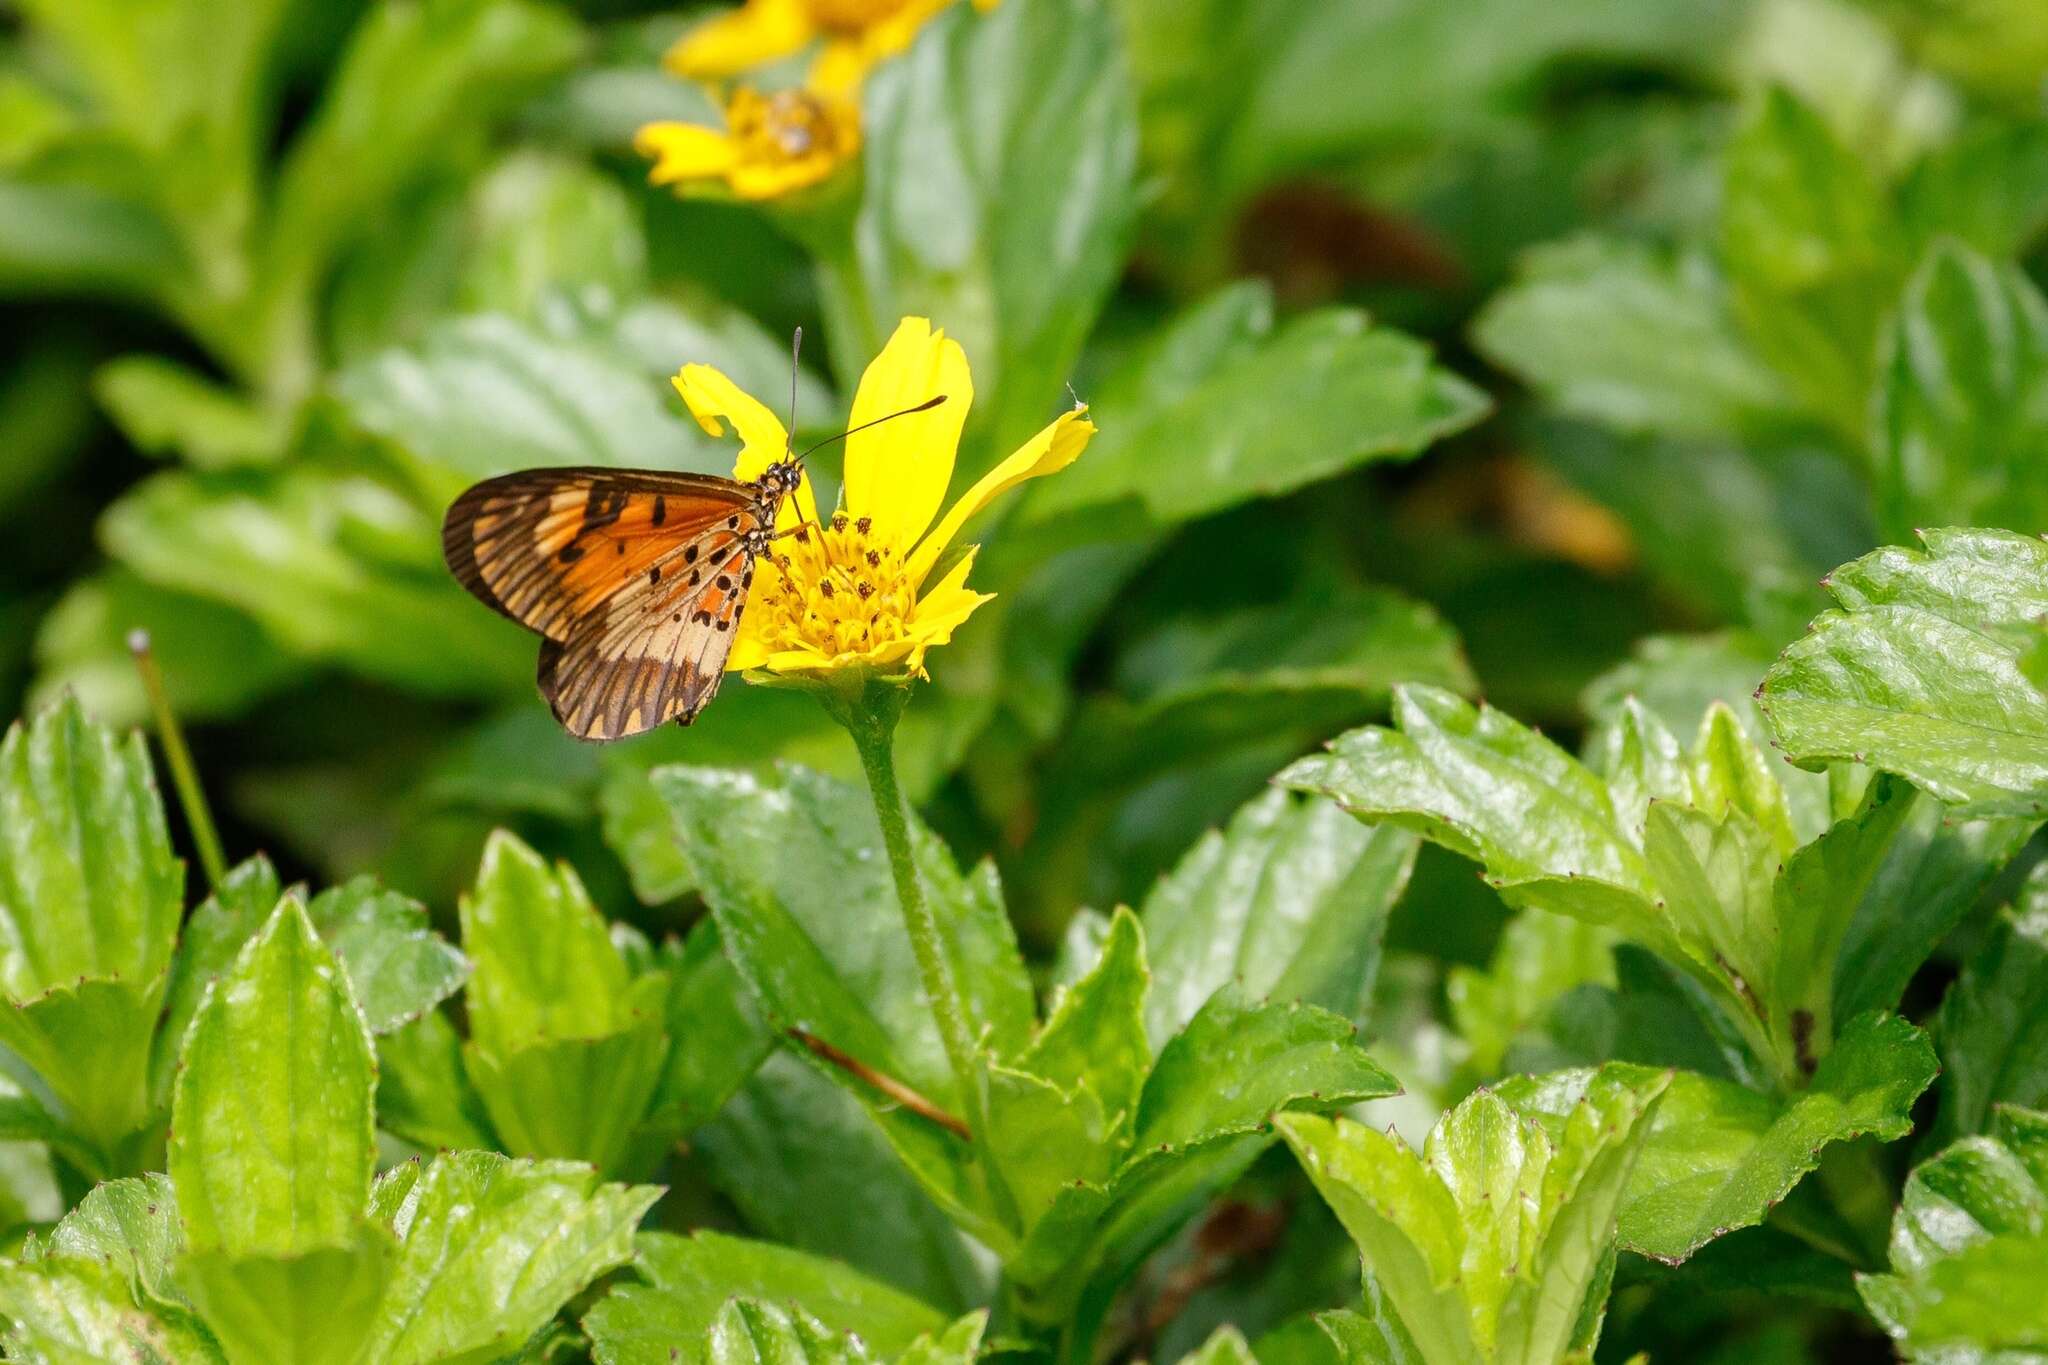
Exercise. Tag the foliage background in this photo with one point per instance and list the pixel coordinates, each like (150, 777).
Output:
(1721, 294)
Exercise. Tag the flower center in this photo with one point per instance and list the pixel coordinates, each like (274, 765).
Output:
(788, 125)
(851, 16)
(833, 589)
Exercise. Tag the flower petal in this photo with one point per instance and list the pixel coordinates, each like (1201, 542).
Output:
(948, 603)
(897, 473)
(763, 440)
(684, 151)
(759, 32)
(1050, 451)
(748, 651)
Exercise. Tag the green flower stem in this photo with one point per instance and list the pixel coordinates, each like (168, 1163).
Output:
(183, 774)
(870, 717)
(869, 707)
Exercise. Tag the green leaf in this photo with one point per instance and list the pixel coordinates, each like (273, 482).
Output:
(1814, 254)
(490, 1248)
(413, 80)
(792, 868)
(998, 194)
(90, 1043)
(1094, 1035)
(1992, 1032)
(1497, 1240)
(1538, 959)
(76, 237)
(1968, 1243)
(73, 1311)
(1225, 1346)
(399, 967)
(89, 889)
(543, 223)
(129, 1225)
(272, 1144)
(1618, 333)
(1918, 672)
(1720, 1156)
(212, 937)
(1963, 403)
(1987, 188)
(578, 1098)
(688, 1281)
(166, 409)
(337, 567)
(488, 394)
(423, 1092)
(545, 966)
(805, 1165)
(312, 1306)
(1274, 410)
(720, 1037)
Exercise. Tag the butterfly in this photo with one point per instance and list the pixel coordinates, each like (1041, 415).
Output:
(635, 579)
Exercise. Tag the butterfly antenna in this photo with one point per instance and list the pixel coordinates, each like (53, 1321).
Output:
(796, 350)
(926, 406)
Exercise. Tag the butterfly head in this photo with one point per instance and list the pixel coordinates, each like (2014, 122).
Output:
(780, 479)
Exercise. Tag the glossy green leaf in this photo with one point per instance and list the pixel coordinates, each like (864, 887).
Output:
(805, 1165)
(489, 1248)
(719, 1037)
(1225, 1346)
(1992, 1032)
(208, 944)
(1719, 1156)
(1618, 333)
(90, 1043)
(74, 1311)
(272, 1143)
(399, 967)
(545, 966)
(489, 394)
(793, 869)
(998, 192)
(1963, 403)
(1968, 1245)
(688, 1281)
(1279, 409)
(129, 1225)
(1917, 672)
(89, 888)
(1489, 1245)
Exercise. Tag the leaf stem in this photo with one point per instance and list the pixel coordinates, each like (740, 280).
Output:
(184, 776)
(887, 1084)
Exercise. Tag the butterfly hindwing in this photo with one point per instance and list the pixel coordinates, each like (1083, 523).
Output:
(634, 580)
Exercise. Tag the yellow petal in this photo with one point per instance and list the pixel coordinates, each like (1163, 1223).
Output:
(748, 651)
(948, 603)
(763, 440)
(684, 151)
(897, 472)
(759, 32)
(1050, 451)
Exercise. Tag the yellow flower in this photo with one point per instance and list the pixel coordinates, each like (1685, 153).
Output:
(852, 592)
(855, 35)
(773, 144)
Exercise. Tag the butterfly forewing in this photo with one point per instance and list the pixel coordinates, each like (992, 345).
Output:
(636, 581)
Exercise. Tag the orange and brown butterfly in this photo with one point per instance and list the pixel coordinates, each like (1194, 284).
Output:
(635, 580)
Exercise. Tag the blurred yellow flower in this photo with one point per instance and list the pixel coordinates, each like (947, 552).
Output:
(772, 144)
(851, 593)
(854, 35)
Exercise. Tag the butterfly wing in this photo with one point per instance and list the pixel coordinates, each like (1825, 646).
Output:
(635, 580)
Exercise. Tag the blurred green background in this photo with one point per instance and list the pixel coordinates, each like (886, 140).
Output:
(1706, 281)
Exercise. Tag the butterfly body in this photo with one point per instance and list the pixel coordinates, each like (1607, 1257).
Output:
(635, 580)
